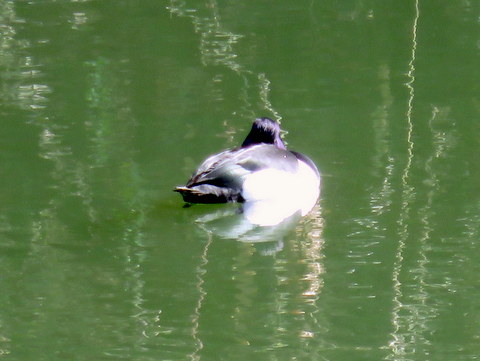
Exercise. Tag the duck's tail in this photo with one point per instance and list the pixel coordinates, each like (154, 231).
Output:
(207, 193)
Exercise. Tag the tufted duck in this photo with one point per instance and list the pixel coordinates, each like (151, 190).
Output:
(261, 169)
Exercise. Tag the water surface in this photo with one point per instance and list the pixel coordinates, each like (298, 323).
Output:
(107, 105)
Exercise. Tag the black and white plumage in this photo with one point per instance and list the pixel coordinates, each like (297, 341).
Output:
(260, 169)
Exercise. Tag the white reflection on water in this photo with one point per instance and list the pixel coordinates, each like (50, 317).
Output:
(216, 43)
(217, 48)
(305, 248)
(202, 294)
(262, 221)
(20, 73)
(33, 96)
(413, 310)
(398, 342)
(78, 19)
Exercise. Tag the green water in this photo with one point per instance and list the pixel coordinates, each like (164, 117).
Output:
(107, 105)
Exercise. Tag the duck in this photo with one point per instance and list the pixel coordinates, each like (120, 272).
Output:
(260, 169)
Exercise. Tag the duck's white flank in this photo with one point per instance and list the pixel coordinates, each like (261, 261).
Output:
(299, 190)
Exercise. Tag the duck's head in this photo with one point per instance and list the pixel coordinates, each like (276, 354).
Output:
(264, 130)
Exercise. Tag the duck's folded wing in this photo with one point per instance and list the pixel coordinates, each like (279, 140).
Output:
(229, 168)
(220, 170)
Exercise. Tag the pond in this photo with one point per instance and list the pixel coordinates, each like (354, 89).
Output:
(108, 105)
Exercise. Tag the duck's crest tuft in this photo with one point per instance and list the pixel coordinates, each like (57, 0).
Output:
(264, 130)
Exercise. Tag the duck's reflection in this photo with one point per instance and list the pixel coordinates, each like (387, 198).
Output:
(260, 221)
